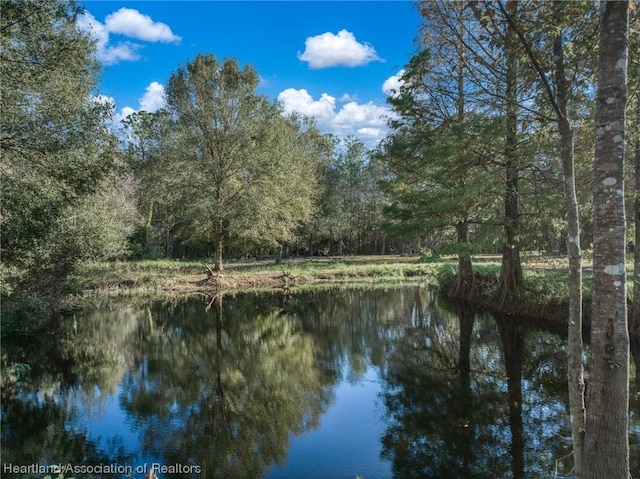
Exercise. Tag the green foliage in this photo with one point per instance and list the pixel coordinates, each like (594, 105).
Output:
(99, 227)
(151, 154)
(350, 203)
(54, 147)
(446, 274)
(239, 168)
(25, 317)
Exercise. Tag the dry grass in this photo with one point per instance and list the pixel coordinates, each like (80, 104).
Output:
(163, 276)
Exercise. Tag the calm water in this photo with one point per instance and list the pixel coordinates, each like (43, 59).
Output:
(332, 383)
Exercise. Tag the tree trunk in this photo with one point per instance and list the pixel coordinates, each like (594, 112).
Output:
(147, 230)
(464, 278)
(558, 98)
(575, 370)
(634, 321)
(168, 247)
(511, 271)
(219, 244)
(606, 441)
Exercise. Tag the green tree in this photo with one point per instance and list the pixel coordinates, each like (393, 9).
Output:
(54, 149)
(437, 162)
(150, 145)
(286, 197)
(606, 440)
(561, 75)
(348, 188)
(99, 226)
(237, 169)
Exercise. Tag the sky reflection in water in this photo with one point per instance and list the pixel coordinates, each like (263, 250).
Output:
(332, 383)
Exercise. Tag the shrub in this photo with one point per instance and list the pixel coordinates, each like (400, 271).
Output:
(446, 275)
(26, 317)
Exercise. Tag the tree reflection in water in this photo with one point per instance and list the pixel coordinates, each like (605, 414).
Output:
(228, 387)
(227, 383)
(73, 373)
(477, 396)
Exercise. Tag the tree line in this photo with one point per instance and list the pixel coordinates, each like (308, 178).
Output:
(493, 134)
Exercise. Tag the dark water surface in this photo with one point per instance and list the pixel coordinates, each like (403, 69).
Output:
(332, 383)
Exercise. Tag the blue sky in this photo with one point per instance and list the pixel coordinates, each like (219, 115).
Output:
(328, 59)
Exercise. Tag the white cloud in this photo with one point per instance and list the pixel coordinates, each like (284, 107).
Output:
(367, 121)
(133, 24)
(346, 97)
(300, 101)
(367, 114)
(128, 22)
(153, 98)
(368, 132)
(391, 86)
(105, 53)
(329, 50)
(123, 51)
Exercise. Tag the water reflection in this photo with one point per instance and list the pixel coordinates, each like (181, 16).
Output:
(224, 388)
(73, 374)
(258, 385)
(480, 396)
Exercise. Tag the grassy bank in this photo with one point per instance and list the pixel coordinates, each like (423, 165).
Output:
(135, 278)
(545, 294)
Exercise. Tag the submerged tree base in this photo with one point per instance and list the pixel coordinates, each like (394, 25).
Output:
(541, 300)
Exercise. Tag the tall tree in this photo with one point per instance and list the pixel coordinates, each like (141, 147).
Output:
(634, 86)
(238, 156)
(511, 271)
(434, 154)
(606, 441)
(54, 149)
(557, 79)
(286, 198)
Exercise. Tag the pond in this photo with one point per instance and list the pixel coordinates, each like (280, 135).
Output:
(385, 382)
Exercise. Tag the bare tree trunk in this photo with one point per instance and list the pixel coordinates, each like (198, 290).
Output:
(219, 244)
(634, 321)
(606, 441)
(575, 370)
(464, 279)
(511, 271)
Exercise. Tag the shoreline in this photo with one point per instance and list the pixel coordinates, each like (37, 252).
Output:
(545, 296)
